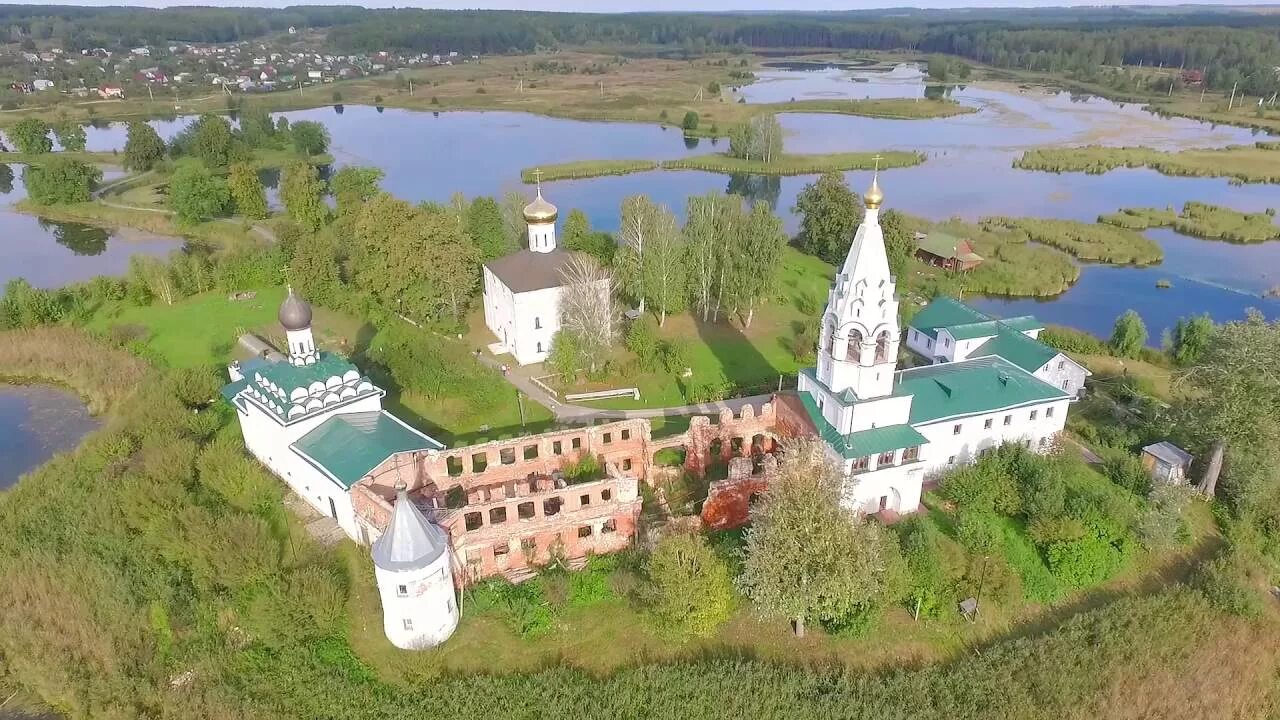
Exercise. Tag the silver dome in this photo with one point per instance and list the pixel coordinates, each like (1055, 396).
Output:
(295, 313)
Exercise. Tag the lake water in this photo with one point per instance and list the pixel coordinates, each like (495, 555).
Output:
(37, 422)
(969, 173)
(52, 254)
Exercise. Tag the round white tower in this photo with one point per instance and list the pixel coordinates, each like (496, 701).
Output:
(541, 217)
(295, 317)
(415, 579)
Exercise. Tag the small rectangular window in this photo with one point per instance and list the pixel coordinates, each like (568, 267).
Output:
(507, 456)
(525, 510)
(530, 452)
(551, 506)
(408, 624)
(557, 448)
(402, 591)
(576, 443)
(608, 438)
(955, 429)
(861, 463)
(886, 458)
(501, 549)
(609, 526)
(626, 434)
(474, 520)
(1048, 412)
(1062, 364)
(584, 531)
(606, 494)
(584, 500)
(497, 516)
(1034, 414)
(951, 460)
(1008, 420)
(986, 424)
(626, 464)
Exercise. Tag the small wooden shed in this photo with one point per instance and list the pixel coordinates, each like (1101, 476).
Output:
(1167, 462)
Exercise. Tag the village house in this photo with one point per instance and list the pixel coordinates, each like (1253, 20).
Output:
(946, 251)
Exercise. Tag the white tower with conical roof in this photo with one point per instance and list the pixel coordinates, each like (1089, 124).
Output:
(415, 579)
(858, 348)
(541, 217)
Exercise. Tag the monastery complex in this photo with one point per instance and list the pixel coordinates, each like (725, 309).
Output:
(438, 518)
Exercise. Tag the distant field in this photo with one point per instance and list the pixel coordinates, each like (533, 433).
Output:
(723, 163)
(1211, 222)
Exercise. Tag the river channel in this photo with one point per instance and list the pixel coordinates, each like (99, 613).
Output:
(37, 422)
(968, 174)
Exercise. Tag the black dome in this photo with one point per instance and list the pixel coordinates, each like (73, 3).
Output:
(295, 313)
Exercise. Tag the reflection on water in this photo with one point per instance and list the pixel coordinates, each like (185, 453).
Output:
(36, 422)
(51, 254)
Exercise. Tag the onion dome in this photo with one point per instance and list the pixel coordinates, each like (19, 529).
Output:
(295, 313)
(411, 542)
(874, 195)
(540, 211)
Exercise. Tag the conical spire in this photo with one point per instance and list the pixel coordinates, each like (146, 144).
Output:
(411, 542)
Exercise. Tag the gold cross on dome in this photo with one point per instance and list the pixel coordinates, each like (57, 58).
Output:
(537, 178)
(877, 158)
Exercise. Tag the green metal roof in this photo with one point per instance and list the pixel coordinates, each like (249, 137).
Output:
(945, 312)
(970, 387)
(288, 377)
(947, 246)
(969, 331)
(1027, 353)
(864, 442)
(347, 446)
(1023, 323)
(295, 392)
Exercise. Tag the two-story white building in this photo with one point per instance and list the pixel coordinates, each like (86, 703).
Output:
(947, 330)
(888, 429)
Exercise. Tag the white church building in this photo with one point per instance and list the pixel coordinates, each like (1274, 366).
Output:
(522, 290)
(892, 429)
(316, 422)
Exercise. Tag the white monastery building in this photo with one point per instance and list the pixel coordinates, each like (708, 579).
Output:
(316, 422)
(990, 383)
(522, 290)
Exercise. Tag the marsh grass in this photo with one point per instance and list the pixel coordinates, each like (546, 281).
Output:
(787, 164)
(1258, 163)
(1212, 222)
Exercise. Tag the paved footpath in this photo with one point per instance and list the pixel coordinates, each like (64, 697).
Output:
(522, 380)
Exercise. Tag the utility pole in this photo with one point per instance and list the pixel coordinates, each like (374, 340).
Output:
(520, 402)
(410, 87)
(150, 94)
(1232, 101)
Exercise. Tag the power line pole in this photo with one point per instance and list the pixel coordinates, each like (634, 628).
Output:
(1232, 101)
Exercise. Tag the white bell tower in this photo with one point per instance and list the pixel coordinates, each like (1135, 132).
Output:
(858, 346)
(411, 565)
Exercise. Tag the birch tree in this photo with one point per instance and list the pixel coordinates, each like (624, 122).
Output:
(639, 215)
(664, 266)
(586, 308)
(760, 253)
(809, 558)
(513, 223)
(706, 217)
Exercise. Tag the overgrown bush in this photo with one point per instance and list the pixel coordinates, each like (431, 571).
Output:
(523, 608)
(1127, 471)
(690, 588)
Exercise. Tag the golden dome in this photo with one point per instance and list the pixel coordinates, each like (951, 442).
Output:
(540, 211)
(874, 195)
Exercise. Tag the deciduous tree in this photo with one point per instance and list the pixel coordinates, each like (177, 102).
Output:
(829, 215)
(302, 192)
(651, 259)
(247, 193)
(353, 186)
(1129, 335)
(586, 308)
(899, 242)
(196, 194)
(143, 147)
(708, 222)
(61, 180)
(309, 137)
(513, 218)
(759, 257)
(31, 136)
(806, 556)
(690, 586)
(483, 220)
(71, 135)
(1191, 338)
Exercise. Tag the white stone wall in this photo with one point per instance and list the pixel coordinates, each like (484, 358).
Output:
(419, 609)
(499, 313)
(269, 442)
(946, 449)
(921, 344)
(536, 318)
(1063, 373)
(895, 487)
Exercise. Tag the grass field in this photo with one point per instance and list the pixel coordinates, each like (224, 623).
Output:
(1093, 242)
(222, 232)
(723, 163)
(1259, 163)
(1212, 222)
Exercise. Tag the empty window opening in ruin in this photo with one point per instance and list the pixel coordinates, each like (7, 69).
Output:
(608, 438)
(626, 434)
(584, 500)
(575, 443)
(497, 516)
(501, 550)
(584, 531)
(454, 464)
(609, 526)
(455, 497)
(479, 462)
(551, 506)
(507, 456)
(474, 520)
(557, 448)
(735, 446)
(606, 494)
(530, 452)
(525, 511)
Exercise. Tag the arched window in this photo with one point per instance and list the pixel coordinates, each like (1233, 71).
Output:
(537, 323)
(882, 347)
(831, 338)
(853, 353)
(539, 347)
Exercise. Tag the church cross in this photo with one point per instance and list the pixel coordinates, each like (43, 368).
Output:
(537, 179)
(877, 158)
